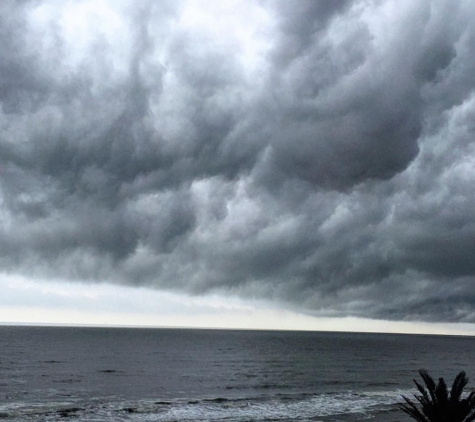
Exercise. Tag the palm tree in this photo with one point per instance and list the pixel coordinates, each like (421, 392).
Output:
(437, 404)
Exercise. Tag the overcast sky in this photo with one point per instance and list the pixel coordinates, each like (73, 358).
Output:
(307, 158)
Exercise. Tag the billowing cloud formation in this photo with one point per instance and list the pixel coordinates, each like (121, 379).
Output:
(319, 154)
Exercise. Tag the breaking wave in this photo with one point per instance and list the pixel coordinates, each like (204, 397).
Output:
(259, 409)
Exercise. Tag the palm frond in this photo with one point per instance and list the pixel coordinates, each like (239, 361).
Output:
(411, 409)
(460, 381)
(435, 403)
(441, 392)
(429, 382)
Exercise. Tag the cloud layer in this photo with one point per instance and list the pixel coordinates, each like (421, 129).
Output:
(317, 154)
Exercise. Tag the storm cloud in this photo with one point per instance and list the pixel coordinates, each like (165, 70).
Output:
(316, 154)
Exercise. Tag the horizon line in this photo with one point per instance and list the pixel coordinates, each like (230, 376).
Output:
(183, 327)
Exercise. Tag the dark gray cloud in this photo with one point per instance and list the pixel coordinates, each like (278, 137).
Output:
(319, 154)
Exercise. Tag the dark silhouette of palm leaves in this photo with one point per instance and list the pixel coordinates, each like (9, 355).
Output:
(436, 404)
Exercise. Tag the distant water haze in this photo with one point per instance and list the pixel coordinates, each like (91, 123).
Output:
(60, 303)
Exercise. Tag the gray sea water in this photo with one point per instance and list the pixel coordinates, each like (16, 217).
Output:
(125, 374)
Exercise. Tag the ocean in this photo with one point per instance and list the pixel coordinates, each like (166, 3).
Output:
(141, 374)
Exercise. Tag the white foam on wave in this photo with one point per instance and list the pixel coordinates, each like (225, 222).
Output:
(283, 408)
